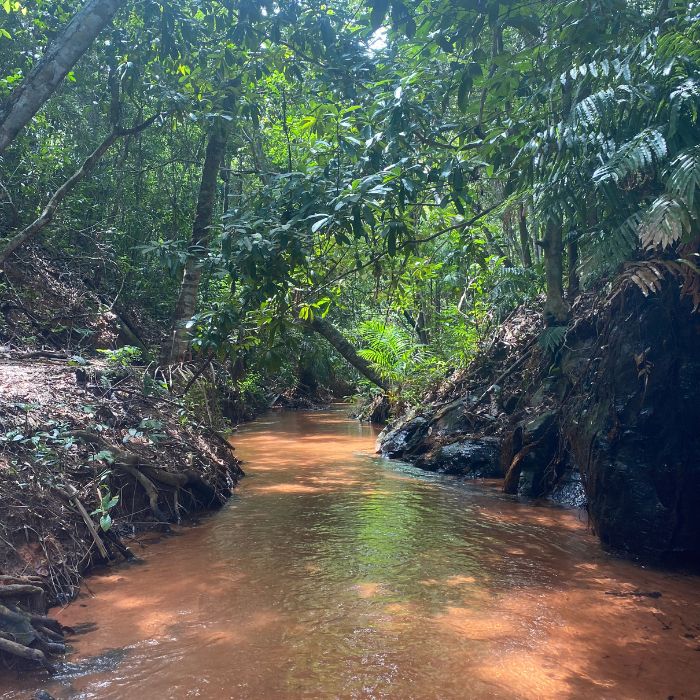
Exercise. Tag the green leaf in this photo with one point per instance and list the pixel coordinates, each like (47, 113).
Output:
(106, 522)
(379, 10)
(465, 87)
(391, 241)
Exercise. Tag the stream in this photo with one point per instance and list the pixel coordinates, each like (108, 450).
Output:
(333, 573)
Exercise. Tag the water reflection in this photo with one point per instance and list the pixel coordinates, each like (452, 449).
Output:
(333, 573)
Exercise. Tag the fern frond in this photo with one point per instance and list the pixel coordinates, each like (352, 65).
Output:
(595, 110)
(684, 179)
(551, 339)
(685, 98)
(605, 250)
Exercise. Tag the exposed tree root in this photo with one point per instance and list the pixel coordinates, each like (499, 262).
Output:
(148, 475)
(25, 634)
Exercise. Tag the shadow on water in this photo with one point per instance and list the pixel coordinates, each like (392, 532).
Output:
(334, 573)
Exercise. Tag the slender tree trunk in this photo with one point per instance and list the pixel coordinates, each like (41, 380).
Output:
(60, 194)
(418, 326)
(556, 311)
(524, 238)
(574, 283)
(496, 247)
(346, 350)
(63, 53)
(11, 218)
(177, 345)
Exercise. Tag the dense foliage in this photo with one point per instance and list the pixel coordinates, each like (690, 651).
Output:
(389, 176)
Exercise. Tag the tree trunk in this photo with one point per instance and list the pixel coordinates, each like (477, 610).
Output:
(41, 82)
(60, 194)
(524, 239)
(556, 311)
(574, 284)
(418, 326)
(177, 345)
(344, 348)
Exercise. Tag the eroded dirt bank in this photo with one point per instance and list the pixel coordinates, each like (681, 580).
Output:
(90, 453)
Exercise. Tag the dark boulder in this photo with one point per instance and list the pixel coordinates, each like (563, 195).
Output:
(634, 426)
(451, 419)
(533, 470)
(470, 457)
(404, 439)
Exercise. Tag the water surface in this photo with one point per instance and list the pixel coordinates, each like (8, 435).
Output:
(335, 574)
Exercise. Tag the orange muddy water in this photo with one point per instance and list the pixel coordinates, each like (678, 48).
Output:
(335, 574)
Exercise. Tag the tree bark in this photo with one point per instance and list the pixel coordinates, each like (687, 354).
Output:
(526, 256)
(12, 219)
(60, 194)
(556, 311)
(63, 53)
(177, 345)
(418, 326)
(574, 283)
(346, 350)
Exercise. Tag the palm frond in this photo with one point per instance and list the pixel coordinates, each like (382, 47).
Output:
(637, 155)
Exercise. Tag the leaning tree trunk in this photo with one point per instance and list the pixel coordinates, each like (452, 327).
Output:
(556, 311)
(41, 82)
(177, 345)
(344, 348)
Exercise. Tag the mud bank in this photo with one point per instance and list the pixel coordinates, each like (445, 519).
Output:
(601, 414)
(90, 454)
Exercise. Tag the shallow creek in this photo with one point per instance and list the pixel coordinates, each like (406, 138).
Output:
(335, 574)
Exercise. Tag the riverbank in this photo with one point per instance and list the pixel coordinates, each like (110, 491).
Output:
(92, 451)
(601, 413)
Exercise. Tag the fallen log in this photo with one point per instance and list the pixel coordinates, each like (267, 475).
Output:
(23, 652)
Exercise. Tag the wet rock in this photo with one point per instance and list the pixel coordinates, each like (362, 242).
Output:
(533, 470)
(450, 420)
(540, 427)
(569, 489)
(470, 457)
(404, 439)
(378, 411)
(633, 427)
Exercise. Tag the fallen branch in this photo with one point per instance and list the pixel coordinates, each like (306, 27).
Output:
(23, 652)
(505, 374)
(71, 494)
